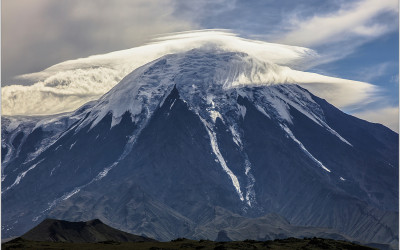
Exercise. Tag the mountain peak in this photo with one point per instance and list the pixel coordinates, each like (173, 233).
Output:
(196, 130)
(202, 76)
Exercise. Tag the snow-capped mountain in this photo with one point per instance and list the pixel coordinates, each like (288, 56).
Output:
(197, 131)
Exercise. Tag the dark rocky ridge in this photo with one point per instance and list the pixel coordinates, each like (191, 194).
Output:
(89, 231)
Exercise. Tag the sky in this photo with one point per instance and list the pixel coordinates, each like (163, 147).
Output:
(355, 40)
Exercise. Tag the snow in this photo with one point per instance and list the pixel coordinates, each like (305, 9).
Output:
(261, 109)
(52, 171)
(105, 171)
(214, 115)
(236, 137)
(70, 194)
(303, 103)
(172, 104)
(250, 193)
(221, 160)
(21, 176)
(54, 125)
(242, 110)
(290, 134)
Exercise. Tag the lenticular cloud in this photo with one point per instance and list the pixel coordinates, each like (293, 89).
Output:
(67, 85)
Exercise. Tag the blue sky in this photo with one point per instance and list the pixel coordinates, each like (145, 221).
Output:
(356, 40)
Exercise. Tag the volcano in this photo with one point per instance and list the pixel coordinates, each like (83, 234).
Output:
(199, 142)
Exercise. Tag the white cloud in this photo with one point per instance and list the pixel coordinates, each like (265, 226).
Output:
(355, 20)
(338, 34)
(388, 116)
(340, 92)
(65, 86)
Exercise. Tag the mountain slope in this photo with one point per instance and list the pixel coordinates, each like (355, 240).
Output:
(195, 131)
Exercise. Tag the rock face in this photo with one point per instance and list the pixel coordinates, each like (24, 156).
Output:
(189, 133)
(89, 231)
(222, 237)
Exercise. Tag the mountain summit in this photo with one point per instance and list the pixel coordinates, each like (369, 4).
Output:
(194, 137)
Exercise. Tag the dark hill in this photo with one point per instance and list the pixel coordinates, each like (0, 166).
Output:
(181, 243)
(89, 231)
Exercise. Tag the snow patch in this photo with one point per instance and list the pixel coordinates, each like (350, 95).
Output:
(170, 107)
(214, 115)
(259, 108)
(250, 193)
(70, 194)
(242, 110)
(52, 171)
(236, 137)
(105, 171)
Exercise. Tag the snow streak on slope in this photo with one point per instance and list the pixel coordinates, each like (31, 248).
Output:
(20, 177)
(66, 86)
(290, 134)
(236, 137)
(221, 160)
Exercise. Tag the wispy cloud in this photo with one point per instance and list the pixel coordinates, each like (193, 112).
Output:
(337, 34)
(351, 20)
(370, 73)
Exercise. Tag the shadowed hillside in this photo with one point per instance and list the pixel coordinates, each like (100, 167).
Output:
(289, 244)
(90, 231)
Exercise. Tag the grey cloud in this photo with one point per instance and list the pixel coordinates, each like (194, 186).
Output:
(40, 33)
